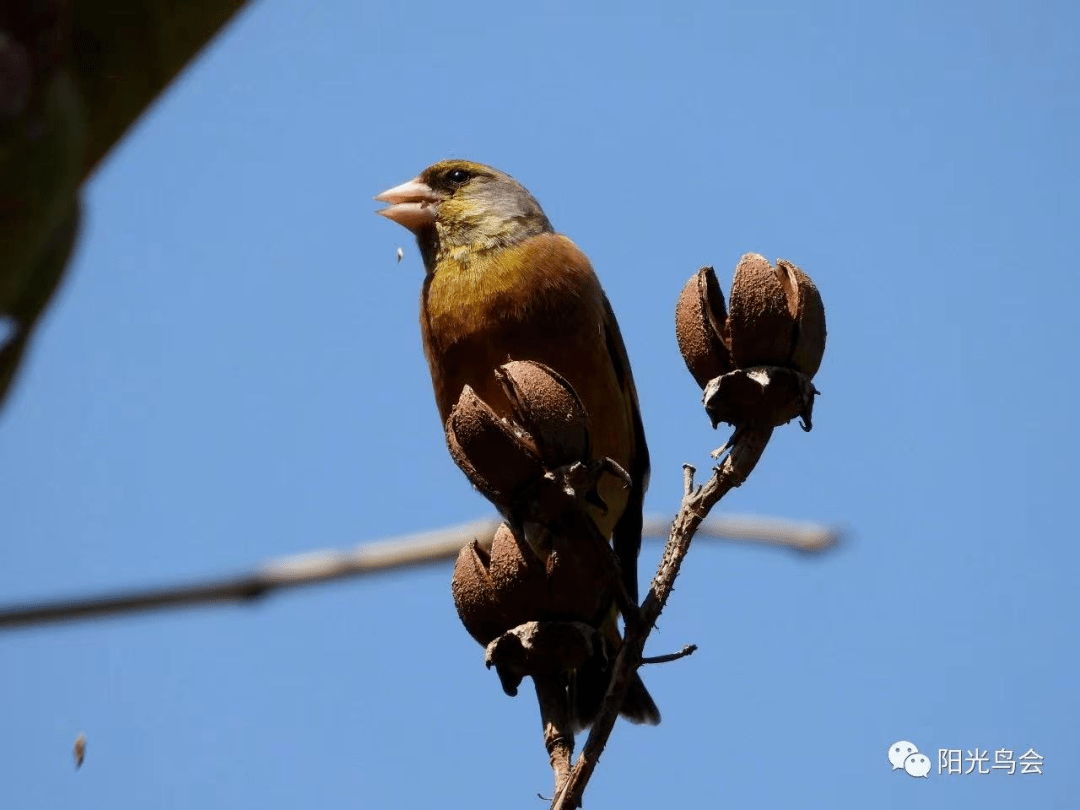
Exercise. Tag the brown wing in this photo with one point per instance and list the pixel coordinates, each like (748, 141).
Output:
(627, 535)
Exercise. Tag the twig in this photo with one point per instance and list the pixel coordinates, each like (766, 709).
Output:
(328, 566)
(558, 730)
(689, 649)
(745, 449)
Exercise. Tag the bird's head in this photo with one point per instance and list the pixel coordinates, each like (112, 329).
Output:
(457, 206)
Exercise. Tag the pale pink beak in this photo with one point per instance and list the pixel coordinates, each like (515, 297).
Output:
(412, 204)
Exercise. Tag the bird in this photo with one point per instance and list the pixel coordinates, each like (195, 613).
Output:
(501, 284)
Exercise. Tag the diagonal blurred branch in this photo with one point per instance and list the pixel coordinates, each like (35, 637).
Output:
(313, 568)
(800, 536)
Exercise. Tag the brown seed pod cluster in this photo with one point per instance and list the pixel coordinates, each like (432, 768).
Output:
(566, 575)
(494, 590)
(548, 562)
(755, 359)
(500, 456)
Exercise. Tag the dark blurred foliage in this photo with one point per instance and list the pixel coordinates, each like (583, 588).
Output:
(74, 76)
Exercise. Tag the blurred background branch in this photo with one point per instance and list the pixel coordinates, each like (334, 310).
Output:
(427, 548)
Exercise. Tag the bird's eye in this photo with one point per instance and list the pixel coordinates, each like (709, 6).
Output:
(457, 176)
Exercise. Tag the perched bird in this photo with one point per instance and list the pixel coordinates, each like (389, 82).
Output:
(502, 285)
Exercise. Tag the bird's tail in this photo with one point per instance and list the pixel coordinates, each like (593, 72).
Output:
(589, 683)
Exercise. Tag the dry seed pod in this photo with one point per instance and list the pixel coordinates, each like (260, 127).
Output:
(494, 592)
(804, 303)
(766, 395)
(700, 320)
(80, 749)
(761, 326)
(475, 596)
(519, 576)
(579, 566)
(547, 406)
(541, 648)
(493, 454)
(567, 579)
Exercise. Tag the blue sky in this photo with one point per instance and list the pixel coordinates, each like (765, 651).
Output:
(232, 371)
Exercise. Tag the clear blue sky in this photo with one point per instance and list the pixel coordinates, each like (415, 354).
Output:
(233, 371)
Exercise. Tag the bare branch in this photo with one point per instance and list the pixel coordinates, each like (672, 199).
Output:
(413, 550)
(745, 449)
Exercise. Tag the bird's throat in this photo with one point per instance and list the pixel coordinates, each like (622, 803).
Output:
(470, 287)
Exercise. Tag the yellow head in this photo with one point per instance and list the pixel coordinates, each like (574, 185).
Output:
(456, 207)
